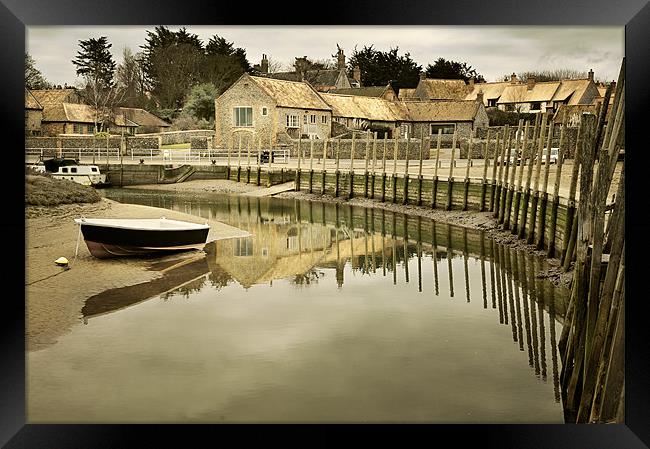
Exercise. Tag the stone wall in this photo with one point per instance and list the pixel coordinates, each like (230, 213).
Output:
(138, 145)
(360, 148)
(176, 137)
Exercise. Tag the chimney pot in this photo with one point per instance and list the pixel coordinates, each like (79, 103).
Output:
(423, 75)
(531, 82)
(513, 78)
(479, 96)
(591, 74)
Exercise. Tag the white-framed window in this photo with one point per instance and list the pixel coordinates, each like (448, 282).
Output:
(77, 128)
(91, 129)
(304, 119)
(244, 246)
(447, 128)
(292, 121)
(312, 118)
(323, 119)
(243, 116)
(265, 111)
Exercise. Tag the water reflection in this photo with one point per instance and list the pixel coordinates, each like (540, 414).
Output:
(388, 334)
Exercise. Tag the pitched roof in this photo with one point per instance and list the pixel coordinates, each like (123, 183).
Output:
(369, 108)
(30, 101)
(291, 94)
(405, 93)
(491, 91)
(519, 93)
(572, 89)
(83, 113)
(325, 77)
(368, 91)
(142, 117)
(55, 96)
(443, 89)
(442, 111)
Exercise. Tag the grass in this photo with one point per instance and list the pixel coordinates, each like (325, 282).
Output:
(43, 190)
(176, 146)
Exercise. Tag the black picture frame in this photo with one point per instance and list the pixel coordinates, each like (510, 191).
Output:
(15, 15)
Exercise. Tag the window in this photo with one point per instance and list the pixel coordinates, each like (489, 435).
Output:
(93, 169)
(73, 169)
(76, 128)
(447, 128)
(492, 102)
(265, 111)
(304, 119)
(292, 121)
(244, 247)
(510, 107)
(91, 129)
(64, 169)
(312, 118)
(243, 116)
(323, 119)
(535, 106)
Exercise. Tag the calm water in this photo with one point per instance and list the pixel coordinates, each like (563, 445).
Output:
(323, 314)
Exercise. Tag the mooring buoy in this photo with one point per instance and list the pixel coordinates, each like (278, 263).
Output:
(62, 261)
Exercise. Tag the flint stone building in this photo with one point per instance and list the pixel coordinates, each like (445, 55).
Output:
(266, 108)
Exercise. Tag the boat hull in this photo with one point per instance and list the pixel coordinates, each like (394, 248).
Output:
(105, 242)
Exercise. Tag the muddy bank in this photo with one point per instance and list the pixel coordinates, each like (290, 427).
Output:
(55, 295)
(203, 185)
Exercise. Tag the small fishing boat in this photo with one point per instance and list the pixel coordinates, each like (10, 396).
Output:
(117, 237)
(88, 175)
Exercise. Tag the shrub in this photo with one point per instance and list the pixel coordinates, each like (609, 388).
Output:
(43, 190)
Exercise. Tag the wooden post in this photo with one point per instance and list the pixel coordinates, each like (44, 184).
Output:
(434, 191)
(239, 160)
(538, 167)
(365, 171)
(230, 145)
(571, 205)
(494, 172)
(504, 182)
(351, 189)
(374, 164)
(544, 193)
(259, 160)
(485, 166)
(511, 183)
(405, 199)
(298, 167)
(450, 183)
(419, 201)
(324, 172)
(337, 172)
(248, 159)
(469, 163)
(383, 171)
(311, 165)
(270, 158)
(517, 191)
(396, 149)
(502, 152)
(526, 192)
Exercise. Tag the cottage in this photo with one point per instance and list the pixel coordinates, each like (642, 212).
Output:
(83, 119)
(535, 96)
(428, 117)
(261, 107)
(33, 115)
(146, 121)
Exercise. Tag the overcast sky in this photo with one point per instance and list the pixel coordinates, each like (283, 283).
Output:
(493, 51)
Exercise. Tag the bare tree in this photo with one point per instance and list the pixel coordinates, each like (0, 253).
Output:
(103, 100)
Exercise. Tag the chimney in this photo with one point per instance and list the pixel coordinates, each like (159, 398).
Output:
(423, 75)
(340, 59)
(357, 74)
(264, 66)
(513, 79)
(479, 96)
(591, 74)
(531, 82)
(471, 83)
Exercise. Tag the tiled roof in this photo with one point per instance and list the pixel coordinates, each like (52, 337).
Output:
(142, 117)
(291, 94)
(369, 108)
(442, 111)
(30, 101)
(443, 89)
(405, 93)
(369, 91)
(491, 91)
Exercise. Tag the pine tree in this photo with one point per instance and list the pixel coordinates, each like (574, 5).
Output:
(95, 60)
(34, 79)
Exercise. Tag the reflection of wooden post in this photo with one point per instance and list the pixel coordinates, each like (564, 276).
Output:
(511, 301)
(492, 276)
(465, 256)
(525, 296)
(449, 267)
(393, 242)
(483, 284)
(499, 268)
(533, 315)
(504, 285)
(434, 192)
(517, 279)
(517, 190)
(434, 258)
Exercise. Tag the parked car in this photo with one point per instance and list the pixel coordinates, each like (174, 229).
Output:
(512, 159)
(555, 154)
(264, 156)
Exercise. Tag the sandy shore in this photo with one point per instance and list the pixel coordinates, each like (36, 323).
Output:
(54, 295)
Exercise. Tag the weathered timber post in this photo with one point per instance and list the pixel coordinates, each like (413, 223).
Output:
(544, 193)
(419, 200)
(526, 193)
(450, 183)
(538, 168)
(494, 171)
(259, 160)
(351, 189)
(405, 198)
(517, 191)
(469, 163)
(383, 172)
(434, 191)
(394, 178)
(230, 145)
(374, 164)
(485, 166)
(502, 152)
(311, 165)
(268, 181)
(571, 205)
(511, 183)
(365, 171)
(504, 182)
(248, 160)
(324, 172)
(556, 192)
(337, 173)
(298, 167)
(239, 160)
